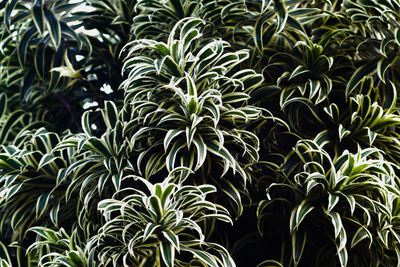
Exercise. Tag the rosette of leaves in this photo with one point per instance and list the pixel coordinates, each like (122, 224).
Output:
(32, 190)
(255, 24)
(160, 225)
(57, 248)
(187, 107)
(376, 30)
(157, 18)
(336, 204)
(369, 123)
(100, 165)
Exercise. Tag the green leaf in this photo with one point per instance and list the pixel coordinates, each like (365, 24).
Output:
(172, 238)
(3, 104)
(299, 213)
(171, 134)
(45, 160)
(99, 146)
(202, 255)
(54, 27)
(38, 15)
(360, 235)
(269, 263)
(155, 205)
(259, 33)
(332, 201)
(24, 44)
(54, 213)
(363, 71)
(298, 71)
(298, 243)
(149, 230)
(167, 253)
(4, 254)
(86, 123)
(397, 35)
(116, 180)
(177, 6)
(235, 97)
(110, 114)
(282, 16)
(166, 195)
(8, 10)
(336, 222)
(201, 151)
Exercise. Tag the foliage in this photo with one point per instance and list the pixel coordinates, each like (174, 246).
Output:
(199, 133)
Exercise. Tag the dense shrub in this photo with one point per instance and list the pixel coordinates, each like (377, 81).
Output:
(199, 133)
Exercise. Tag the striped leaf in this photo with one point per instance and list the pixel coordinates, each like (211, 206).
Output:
(53, 26)
(299, 214)
(38, 15)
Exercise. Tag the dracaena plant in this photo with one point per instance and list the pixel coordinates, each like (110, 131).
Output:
(32, 185)
(157, 18)
(348, 191)
(159, 226)
(100, 165)
(57, 248)
(233, 97)
(186, 106)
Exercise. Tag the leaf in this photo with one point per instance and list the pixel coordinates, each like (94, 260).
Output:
(167, 253)
(229, 189)
(397, 35)
(12, 120)
(24, 44)
(343, 132)
(38, 16)
(269, 263)
(155, 205)
(235, 97)
(4, 254)
(166, 195)
(332, 201)
(170, 159)
(259, 34)
(382, 67)
(149, 230)
(282, 16)
(343, 257)
(298, 71)
(116, 180)
(54, 213)
(54, 27)
(172, 238)
(171, 134)
(202, 255)
(360, 235)
(3, 104)
(45, 160)
(201, 151)
(110, 114)
(298, 243)
(299, 213)
(172, 67)
(336, 222)
(96, 144)
(363, 71)
(86, 124)
(10, 5)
